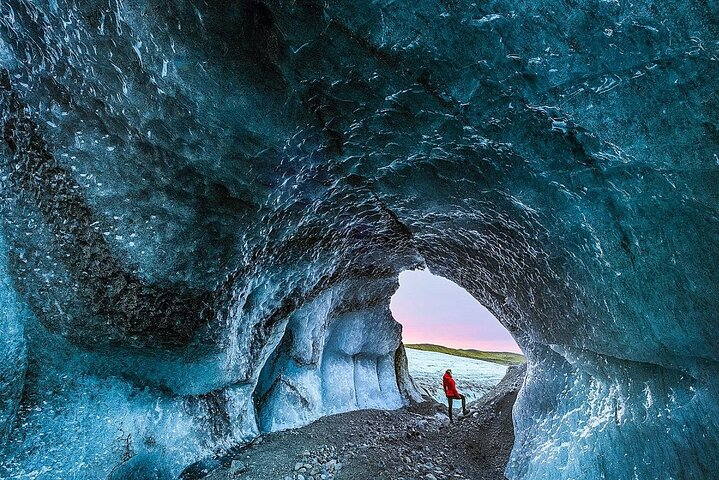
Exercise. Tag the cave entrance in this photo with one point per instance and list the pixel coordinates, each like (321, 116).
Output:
(446, 327)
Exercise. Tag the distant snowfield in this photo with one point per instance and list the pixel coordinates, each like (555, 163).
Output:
(473, 377)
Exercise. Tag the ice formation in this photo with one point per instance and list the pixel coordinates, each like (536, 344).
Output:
(206, 206)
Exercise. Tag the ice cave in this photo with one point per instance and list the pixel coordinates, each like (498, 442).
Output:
(206, 206)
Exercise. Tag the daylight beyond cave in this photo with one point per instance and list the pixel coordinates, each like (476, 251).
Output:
(206, 206)
(434, 310)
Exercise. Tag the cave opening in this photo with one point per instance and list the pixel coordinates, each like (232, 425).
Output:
(444, 326)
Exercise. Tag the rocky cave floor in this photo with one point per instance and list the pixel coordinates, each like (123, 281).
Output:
(416, 442)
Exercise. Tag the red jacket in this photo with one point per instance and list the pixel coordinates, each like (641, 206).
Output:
(450, 389)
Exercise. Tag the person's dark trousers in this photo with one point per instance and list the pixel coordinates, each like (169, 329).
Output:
(450, 401)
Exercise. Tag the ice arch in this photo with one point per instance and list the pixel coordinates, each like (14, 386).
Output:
(206, 207)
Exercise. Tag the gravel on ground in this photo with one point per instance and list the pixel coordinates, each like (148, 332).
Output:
(416, 442)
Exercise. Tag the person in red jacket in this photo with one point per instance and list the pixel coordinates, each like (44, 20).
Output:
(450, 389)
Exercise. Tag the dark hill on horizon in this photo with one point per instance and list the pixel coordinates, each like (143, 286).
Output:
(502, 358)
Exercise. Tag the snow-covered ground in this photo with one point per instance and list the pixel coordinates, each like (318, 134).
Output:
(473, 377)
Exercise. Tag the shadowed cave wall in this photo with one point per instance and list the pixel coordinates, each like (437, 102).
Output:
(206, 206)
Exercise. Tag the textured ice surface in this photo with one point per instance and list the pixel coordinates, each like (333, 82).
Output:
(206, 206)
(329, 364)
(13, 360)
(474, 377)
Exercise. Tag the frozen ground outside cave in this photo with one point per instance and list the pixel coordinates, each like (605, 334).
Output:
(474, 377)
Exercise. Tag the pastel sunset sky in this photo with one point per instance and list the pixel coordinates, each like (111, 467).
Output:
(432, 309)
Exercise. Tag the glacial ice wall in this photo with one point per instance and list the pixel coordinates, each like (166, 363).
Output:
(206, 206)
